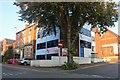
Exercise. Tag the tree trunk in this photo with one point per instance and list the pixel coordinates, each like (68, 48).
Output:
(69, 56)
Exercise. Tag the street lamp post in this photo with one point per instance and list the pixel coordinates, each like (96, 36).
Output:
(15, 51)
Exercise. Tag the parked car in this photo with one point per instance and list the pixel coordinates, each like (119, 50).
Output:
(12, 61)
(25, 61)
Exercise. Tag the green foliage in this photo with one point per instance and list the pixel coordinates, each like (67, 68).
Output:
(8, 54)
(70, 66)
(92, 62)
(48, 15)
(70, 17)
(17, 55)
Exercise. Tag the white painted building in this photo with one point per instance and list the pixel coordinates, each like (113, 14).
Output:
(86, 41)
(48, 46)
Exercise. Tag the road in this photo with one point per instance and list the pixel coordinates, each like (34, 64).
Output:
(107, 71)
(97, 71)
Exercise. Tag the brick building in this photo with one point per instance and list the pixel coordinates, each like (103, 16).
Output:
(5, 44)
(0, 48)
(25, 41)
(107, 44)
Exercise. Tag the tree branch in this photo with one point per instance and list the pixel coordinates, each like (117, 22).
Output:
(77, 33)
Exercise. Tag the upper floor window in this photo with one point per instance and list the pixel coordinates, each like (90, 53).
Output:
(52, 43)
(85, 32)
(24, 39)
(29, 39)
(41, 46)
(23, 33)
(111, 51)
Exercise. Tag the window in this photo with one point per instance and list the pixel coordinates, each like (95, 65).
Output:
(23, 33)
(29, 39)
(52, 43)
(50, 55)
(30, 31)
(85, 32)
(55, 43)
(85, 44)
(110, 51)
(24, 39)
(40, 57)
(93, 48)
(41, 46)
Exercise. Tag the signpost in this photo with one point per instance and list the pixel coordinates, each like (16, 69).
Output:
(60, 45)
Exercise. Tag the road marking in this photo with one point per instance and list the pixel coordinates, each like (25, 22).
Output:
(13, 74)
(10, 74)
(98, 76)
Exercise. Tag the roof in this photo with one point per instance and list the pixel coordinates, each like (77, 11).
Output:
(112, 33)
(8, 39)
(29, 26)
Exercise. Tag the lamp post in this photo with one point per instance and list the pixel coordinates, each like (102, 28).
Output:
(15, 51)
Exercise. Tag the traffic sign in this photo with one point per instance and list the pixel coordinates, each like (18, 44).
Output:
(60, 44)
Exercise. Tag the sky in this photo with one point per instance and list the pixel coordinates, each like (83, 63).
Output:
(9, 20)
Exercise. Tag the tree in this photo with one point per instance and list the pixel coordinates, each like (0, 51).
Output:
(8, 54)
(70, 17)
